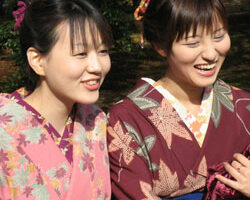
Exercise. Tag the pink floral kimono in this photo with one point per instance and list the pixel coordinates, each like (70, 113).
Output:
(37, 163)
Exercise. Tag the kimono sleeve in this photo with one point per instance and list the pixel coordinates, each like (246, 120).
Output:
(130, 174)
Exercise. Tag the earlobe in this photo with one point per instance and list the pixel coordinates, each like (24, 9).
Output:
(160, 51)
(36, 61)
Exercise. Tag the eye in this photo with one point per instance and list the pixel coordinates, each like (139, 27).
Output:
(219, 37)
(192, 44)
(80, 54)
(103, 52)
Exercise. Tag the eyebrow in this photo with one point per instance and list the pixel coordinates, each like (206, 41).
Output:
(217, 30)
(88, 45)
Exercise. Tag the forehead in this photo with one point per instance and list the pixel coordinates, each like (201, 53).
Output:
(203, 26)
(207, 28)
(77, 35)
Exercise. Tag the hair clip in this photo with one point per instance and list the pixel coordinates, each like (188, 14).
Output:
(142, 41)
(141, 10)
(19, 14)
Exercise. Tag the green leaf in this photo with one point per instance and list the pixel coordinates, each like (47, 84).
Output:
(133, 133)
(138, 91)
(216, 112)
(33, 135)
(5, 141)
(150, 142)
(248, 108)
(2, 179)
(143, 103)
(51, 173)
(21, 177)
(222, 94)
(40, 192)
(155, 167)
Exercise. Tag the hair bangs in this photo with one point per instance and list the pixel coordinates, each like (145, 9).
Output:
(100, 31)
(206, 15)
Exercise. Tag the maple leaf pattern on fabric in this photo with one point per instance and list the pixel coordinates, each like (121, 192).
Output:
(167, 183)
(195, 181)
(121, 141)
(5, 118)
(148, 191)
(166, 119)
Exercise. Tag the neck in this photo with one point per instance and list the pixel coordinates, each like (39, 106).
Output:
(50, 107)
(189, 97)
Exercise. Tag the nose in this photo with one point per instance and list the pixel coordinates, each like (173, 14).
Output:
(209, 52)
(94, 64)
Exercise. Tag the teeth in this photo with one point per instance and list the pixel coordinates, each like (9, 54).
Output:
(91, 82)
(205, 67)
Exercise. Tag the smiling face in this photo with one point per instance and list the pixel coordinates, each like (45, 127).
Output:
(76, 75)
(195, 60)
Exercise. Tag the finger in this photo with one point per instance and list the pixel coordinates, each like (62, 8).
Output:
(236, 165)
(242, 159)
(228, 182)
(234, 172)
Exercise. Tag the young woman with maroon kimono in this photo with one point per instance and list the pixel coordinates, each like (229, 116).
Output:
(166, 135)
(52, 135)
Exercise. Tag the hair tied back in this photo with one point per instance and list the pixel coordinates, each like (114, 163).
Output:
(19, 14)
(141, 10)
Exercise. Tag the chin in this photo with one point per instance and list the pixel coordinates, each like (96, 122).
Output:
(89, 99)
(207, 83)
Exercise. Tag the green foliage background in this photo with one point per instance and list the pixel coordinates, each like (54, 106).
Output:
(116, 12)
(129, 61)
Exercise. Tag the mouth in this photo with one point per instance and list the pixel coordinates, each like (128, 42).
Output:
(92, 82)
(205, 67)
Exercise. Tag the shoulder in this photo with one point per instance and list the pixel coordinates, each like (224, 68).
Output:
(6, 100)
(234, 99)
(90, 111)
(4, 96)
(239, 93)
(220, 87)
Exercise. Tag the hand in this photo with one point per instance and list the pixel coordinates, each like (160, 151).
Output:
(240, 170)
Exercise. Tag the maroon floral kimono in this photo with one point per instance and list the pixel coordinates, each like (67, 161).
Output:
(154, 155)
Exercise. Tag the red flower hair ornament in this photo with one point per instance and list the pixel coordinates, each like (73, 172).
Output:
(19, 14)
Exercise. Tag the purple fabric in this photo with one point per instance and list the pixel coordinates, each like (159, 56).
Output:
(218, 190)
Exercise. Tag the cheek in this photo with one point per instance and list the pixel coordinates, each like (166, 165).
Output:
(183, 55)
(224, 46)
(186, 56)
(106, 63)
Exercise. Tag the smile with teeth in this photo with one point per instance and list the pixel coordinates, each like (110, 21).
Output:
(92, 82)
(205, 67)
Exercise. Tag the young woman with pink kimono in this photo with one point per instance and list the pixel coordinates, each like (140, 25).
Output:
(52, 135)
(167, 136)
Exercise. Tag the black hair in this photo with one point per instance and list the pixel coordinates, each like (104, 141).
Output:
(42, 18)
(168, 20)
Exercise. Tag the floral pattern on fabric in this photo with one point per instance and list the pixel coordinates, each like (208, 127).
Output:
(121, 141)
(168, 122)
(168, 181)
(223, 96)
(167, 160)
(196, 122)
(141, 101)
(196, 181)
(33, 166)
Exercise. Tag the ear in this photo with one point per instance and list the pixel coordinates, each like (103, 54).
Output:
(160, 51)
(36, 61)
